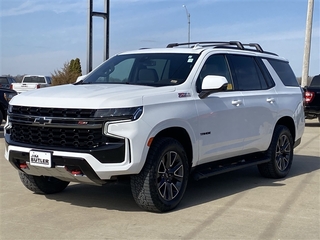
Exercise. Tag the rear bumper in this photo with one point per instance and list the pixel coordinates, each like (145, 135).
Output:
(311, 111)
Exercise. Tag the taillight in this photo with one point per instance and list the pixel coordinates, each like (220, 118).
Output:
(11, 87)
(309, 96)
(38, 85)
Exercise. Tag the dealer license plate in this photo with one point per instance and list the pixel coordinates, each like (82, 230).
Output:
(41, 159)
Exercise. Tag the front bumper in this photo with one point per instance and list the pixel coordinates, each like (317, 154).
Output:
(71, 166)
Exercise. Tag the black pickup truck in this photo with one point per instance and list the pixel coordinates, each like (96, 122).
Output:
(5, 97)
(312, 99)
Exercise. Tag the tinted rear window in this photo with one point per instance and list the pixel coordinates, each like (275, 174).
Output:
(315, 81)
(34, 79)
(3, 80)
(284, 72)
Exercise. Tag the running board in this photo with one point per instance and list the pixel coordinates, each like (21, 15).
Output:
(211, 171)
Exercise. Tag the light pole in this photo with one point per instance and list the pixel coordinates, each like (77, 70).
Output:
(188, 18)
(106, 16)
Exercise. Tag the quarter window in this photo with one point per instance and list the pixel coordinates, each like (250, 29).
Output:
(284, 72)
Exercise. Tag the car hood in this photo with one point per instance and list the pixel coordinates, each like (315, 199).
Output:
(89, 96)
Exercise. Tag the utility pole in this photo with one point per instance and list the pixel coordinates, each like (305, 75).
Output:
(307, 45)
(106, 16)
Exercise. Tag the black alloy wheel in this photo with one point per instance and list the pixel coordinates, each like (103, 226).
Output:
(280, 153)
(170, 176)
(160, 185)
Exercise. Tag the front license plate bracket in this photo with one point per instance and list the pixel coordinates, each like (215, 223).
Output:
(40, 158)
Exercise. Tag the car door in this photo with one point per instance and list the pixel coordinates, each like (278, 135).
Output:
(220, 125)
(259, 101)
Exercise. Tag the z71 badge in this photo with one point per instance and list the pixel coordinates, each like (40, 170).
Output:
(181, 95)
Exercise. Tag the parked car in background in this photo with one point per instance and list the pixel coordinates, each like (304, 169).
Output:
(5, 96)
(31, 82)
(312, 99)
(5, 82)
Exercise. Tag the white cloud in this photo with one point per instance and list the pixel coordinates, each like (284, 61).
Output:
(32, 6)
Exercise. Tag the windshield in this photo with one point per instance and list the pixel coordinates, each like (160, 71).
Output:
(155, 69)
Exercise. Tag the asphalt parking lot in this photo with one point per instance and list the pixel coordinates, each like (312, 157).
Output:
(235, 205)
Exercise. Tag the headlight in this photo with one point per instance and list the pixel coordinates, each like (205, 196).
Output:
(115, 114)
(9, 96)
(9, 108)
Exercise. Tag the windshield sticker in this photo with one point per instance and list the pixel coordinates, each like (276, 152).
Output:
(182, 95)
(190, 59)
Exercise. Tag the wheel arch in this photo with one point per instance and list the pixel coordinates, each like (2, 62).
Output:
(182, 136)
(289, 123)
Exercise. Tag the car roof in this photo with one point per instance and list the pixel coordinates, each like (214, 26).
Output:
(236, 47)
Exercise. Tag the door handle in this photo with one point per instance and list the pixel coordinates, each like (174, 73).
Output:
(270, 100)
(236, 102)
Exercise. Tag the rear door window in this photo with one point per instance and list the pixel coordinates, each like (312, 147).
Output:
(247, 73)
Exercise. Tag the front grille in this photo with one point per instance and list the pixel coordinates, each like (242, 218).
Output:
(67, 128)
(58, 137)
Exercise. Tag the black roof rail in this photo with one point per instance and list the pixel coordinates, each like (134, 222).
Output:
(238, 44)
(192, 44)
(255, 45)
(233, 44)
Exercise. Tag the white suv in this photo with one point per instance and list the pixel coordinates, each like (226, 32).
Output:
(160, 116)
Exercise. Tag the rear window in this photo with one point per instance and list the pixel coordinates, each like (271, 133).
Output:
(315, 81)
(34, 79)
(3, 80)
(284, 72)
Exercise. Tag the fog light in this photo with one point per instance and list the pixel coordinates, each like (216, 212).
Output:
(23, 165)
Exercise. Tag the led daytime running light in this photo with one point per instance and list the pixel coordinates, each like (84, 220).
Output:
(120, 113)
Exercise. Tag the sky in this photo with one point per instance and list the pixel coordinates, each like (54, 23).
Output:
(40, 36)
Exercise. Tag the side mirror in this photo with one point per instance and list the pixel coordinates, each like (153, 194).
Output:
(9, 95)
(81, 78)
(212, 84)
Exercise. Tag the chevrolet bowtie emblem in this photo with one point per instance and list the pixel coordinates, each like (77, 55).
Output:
(43, 120)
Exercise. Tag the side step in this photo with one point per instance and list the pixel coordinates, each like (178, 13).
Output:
(223, 168)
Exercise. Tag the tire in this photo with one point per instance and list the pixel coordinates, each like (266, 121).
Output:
(41, 184)
(319, 119)
(281, 154)
(160, 185)
(1, 117)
